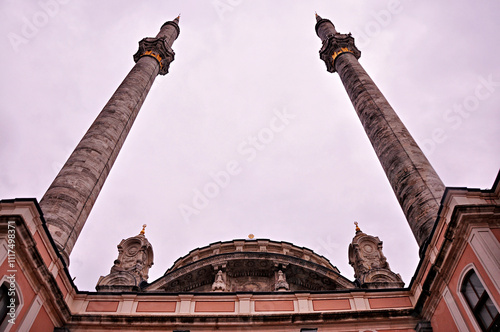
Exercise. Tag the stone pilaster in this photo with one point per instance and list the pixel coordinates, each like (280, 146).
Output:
(71, 196)
(416, 184)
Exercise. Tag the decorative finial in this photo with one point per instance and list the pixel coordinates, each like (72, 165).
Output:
(318, 18)
(143, 229)
(357, 227)
(178, 16)
(251, 236)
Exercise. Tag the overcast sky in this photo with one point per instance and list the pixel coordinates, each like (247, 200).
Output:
(238, 64)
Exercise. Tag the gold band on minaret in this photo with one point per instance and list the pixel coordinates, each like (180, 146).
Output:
(154, 55)
(339, 52)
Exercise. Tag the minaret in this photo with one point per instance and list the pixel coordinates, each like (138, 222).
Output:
(70, 198)
(417, 186)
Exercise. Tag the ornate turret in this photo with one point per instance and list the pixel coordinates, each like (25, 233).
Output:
(131, 268)
(371, 269)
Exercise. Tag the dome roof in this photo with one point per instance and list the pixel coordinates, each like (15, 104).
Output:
(251, 265)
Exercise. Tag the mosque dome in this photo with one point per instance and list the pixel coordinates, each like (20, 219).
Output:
(256, 265)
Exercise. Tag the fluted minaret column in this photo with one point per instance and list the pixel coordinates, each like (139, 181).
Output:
(70, 198)
(417, 186)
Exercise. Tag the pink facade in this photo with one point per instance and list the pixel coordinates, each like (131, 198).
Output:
(47, 298)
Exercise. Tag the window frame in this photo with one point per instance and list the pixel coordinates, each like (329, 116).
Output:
(471, 312)
(5, 325)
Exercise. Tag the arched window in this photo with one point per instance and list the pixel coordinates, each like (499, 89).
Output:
(480, 303)
(4, 301)
(6, 295)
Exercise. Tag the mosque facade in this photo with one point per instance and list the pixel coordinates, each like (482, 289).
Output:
(254, 284)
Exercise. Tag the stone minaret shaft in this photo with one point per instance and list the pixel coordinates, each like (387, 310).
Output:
(417, 186)
(70, 198)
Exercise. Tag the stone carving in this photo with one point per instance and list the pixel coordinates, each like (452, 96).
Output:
(131, 268)
(371, 269)
(281, 284)
(219, 285)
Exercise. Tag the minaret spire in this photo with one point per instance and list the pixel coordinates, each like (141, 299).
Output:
(416, 184)
(71, 196)
(324, 28)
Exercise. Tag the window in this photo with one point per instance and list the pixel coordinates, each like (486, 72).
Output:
(480, 303)
(6, 310)
(309, 330)
(4, 301)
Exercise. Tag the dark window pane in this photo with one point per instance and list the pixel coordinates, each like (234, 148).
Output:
(491, 307)
(4, 301)
(478, 286)
(470, 294)
(495, 327)
(485, 317)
